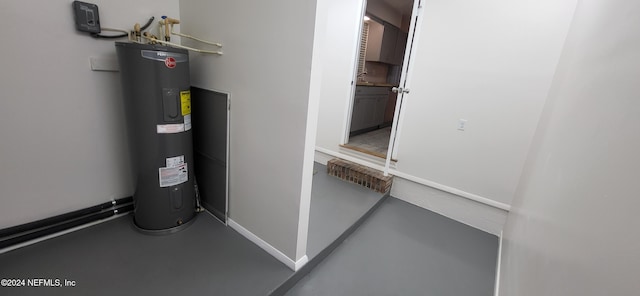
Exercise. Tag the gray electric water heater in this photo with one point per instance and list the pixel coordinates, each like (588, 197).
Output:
(157, 100)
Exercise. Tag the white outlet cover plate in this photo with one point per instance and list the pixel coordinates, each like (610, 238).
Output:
(462, 124)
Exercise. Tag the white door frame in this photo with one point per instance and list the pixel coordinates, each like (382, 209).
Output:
(414, 30)
(344, 139)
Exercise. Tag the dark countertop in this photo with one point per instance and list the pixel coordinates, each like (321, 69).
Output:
(384, 84)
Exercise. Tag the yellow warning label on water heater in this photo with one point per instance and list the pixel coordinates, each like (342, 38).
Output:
(185, 102)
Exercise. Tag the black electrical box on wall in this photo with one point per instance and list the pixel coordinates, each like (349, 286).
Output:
(87, 17)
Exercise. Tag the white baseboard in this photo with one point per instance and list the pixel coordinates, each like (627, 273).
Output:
(323, 155)
(475, 214)
(453, 191)
(300, 263)
(294, 265)
(496, 288)
(322, 158)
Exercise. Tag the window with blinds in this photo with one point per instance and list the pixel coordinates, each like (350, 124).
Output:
(363, 48)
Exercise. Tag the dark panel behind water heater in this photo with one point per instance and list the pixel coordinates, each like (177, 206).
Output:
(157, 99)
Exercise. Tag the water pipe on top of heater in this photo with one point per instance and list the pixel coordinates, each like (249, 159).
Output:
(168, 23)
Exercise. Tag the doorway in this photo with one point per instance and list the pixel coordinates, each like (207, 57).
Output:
(381, 56)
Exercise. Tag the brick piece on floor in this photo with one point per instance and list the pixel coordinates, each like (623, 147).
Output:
(359, 174)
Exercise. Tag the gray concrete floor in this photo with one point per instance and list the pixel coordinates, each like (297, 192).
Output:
(206, 258)
(335, 206)
(399, 250)
(405, 250)
(112, 258)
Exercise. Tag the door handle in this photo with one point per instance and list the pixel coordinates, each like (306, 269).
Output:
(399, 90)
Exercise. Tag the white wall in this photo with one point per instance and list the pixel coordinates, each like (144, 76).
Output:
(266, 67)
(490, 62)
(63, 144)
(341, 23)
(574, 225)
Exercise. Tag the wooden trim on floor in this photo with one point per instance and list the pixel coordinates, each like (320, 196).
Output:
(365, 151)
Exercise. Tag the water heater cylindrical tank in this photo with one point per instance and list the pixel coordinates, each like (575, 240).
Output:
(157, 100)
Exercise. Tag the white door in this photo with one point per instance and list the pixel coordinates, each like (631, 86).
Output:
(403, 90)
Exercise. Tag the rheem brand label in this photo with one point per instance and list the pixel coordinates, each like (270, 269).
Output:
(170, 62)
(170, 59)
